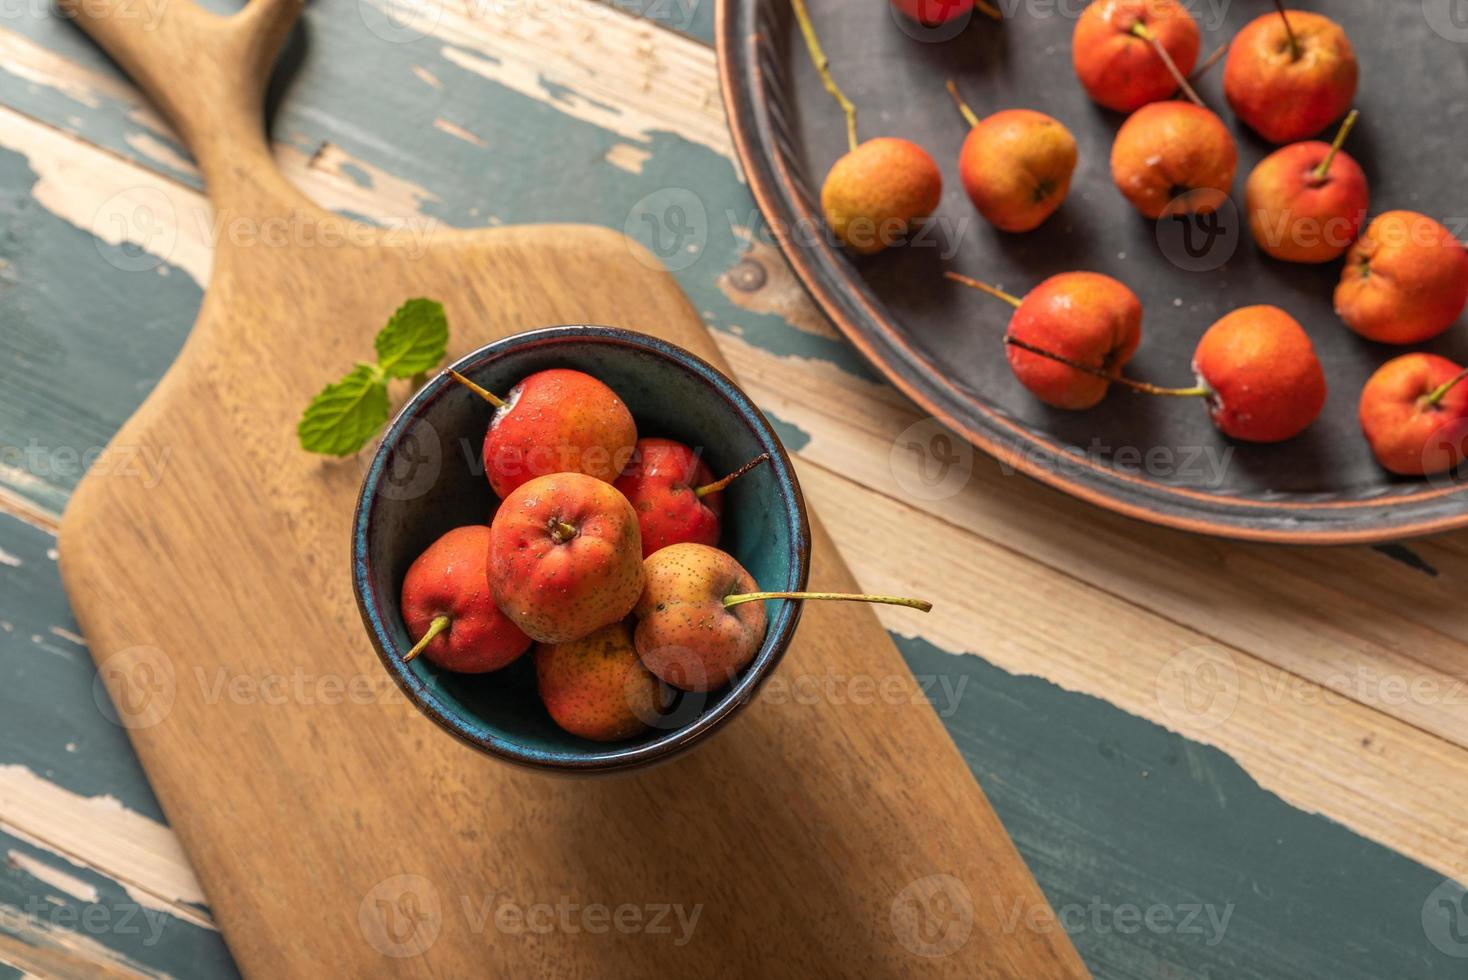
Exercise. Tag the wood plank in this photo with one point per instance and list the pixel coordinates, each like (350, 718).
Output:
(855, 428)
(732, 318)
(257, 538)
(1382, 778)
(88, 860)
(1364, 643)
(1119, 816)
(1316, 650)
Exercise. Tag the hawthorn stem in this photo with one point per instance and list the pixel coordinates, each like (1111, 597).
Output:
(963, 108)
(561, 532)
(484, 393)
(1318, 177)
(1140, 30)
(1294, 41)
(439, 624)
(823, 68)
(1200, 391)
(1210, 61)
(984, 287)
(891, 600)
(1440, 392)
(718, 485)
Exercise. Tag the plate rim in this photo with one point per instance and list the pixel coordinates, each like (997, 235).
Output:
(735, 41)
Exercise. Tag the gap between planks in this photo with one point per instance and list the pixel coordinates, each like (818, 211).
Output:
(23, 510)
(1405, 793)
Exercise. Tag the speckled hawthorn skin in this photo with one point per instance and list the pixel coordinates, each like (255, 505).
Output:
(449, 579)
(684, 634)
(1267, 383)
(1407, 435)
(1405, 280)
(873, 194)
(933, 12)
(1122, 71)
(1084, 317)
(595, 687)
(659, 483)
(557, 421)
(562, 590)
(1173, 157)
(1298, 218)
(1016, 167)
(1279, 96)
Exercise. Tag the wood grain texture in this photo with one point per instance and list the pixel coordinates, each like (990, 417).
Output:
(1104, 805)
(850, 427)
(800, 837)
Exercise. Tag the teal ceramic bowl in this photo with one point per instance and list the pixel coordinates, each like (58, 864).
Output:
(427, 477)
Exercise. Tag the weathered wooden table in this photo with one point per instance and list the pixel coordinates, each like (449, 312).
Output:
(1219, 759)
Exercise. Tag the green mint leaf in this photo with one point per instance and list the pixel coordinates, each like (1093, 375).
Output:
(414, 339)
(344, 416)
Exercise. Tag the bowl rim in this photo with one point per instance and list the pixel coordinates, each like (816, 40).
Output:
(608, 759)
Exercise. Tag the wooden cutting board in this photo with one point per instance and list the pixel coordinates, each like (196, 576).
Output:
(335, 830)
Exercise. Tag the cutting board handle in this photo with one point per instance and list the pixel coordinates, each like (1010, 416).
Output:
(207, 73)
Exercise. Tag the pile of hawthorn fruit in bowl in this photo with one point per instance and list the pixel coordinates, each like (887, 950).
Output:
(576, 549)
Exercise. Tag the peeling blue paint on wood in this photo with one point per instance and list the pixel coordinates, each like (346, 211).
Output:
(133, 936)
(693, 18)
(84, 339)
(1106, 807)
(53, 724)
(1115, 813)
(534, 151)
(792, 436)
(54, 727)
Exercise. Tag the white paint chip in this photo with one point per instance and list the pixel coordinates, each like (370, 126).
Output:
(458, 132)
(55, 877)
(100, 832)
(625, 156)
(68, 635)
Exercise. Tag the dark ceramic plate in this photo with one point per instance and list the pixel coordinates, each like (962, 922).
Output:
(1156, 459)
(427, 478)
